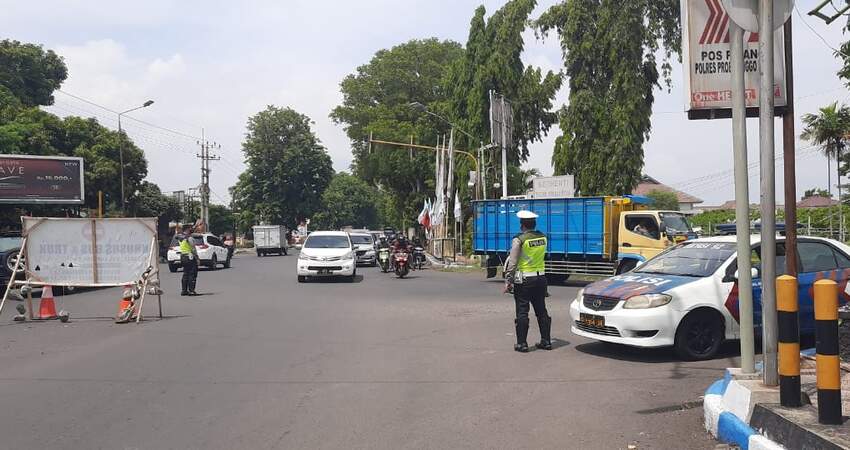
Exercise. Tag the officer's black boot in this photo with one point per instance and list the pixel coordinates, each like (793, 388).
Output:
(545, 324)
(521, 335)
(184, 284)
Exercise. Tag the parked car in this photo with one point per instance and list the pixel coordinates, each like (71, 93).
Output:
(364, 248)
(327, 254)
(10, 245)
(687, 297)
(211, 252)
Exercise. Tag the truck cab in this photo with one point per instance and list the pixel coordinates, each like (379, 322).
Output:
(642, 234)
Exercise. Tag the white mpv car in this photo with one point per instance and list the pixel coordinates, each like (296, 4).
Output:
(327, 254)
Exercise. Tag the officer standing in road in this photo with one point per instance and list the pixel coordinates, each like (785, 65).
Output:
(525, 276)
(189, 261)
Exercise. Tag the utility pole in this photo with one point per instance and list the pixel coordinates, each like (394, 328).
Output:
(768, 194)
(206, 157)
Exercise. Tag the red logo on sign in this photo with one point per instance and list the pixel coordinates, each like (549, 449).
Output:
(717, 28)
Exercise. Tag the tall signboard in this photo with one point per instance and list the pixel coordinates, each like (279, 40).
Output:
(706, 53)
(553, 187)
(41, 179)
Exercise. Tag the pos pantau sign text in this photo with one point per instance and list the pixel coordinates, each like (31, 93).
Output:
(41, 179)
(706, 52)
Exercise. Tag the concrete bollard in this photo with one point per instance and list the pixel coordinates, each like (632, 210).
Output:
(787, 304)
(828, 365)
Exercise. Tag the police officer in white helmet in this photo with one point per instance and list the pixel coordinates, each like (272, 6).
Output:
(525, 276)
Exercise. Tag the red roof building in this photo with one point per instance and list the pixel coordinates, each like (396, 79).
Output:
(649, 184)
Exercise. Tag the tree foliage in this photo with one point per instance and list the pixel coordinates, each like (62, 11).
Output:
(664, 200)
(610, 50)
(288, 168)
(29, 73)
(376, 101)
(493, 62)
(816, 192)
(222, 220)
(28, 77)
(348, 201)
(151, 202)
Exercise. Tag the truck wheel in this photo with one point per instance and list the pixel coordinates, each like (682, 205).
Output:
(699, 335)
(626, 265)
(172, 267)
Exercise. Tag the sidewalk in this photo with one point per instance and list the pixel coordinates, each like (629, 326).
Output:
(739, 410)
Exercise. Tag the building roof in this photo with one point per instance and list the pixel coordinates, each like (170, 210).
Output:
(816, 201)
(649, 184)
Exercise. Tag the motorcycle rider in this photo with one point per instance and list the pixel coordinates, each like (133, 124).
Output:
(525, 276)
(400, 245)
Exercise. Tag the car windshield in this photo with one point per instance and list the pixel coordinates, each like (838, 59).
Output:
(693, 259)
(361, 239)
(675, 223)
(9, 243)
(327, 242)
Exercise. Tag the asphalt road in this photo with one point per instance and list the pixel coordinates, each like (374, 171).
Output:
(262, 362)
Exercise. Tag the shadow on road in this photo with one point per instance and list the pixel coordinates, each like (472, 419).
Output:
(647, 355)
(332, 280)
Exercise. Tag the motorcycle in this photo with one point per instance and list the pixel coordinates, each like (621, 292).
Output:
(384, 259)
(418, 257)
(400, 264)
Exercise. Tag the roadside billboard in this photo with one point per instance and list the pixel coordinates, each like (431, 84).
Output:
(41, 179)
(706, 52)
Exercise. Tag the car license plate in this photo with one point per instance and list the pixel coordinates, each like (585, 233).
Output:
(324, 271)
(592, 320)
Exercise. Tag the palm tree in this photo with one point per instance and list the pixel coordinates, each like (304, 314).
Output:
(829, 130)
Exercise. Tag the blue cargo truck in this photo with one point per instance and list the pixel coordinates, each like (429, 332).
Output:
(587, 235)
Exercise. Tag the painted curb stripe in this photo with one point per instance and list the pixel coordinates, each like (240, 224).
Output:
(732, 430)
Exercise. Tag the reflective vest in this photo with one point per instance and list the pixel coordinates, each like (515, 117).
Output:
(186, 247)
(533, 256)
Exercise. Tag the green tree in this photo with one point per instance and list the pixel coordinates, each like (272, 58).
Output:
(816, 192)
(288, 168)
(151, 202)
(348, 201)
(610, 50)
(222, 220)
(828, 130)
(493, 61)
(30, 73)
(664, 200)
(376, 101)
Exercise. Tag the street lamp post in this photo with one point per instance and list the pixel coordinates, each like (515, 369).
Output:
(121, 151)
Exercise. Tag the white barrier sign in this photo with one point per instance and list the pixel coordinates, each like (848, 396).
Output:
(706, 53)
(88, 252)
(553, 187)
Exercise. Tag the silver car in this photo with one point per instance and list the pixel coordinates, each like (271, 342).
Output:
(364, 248)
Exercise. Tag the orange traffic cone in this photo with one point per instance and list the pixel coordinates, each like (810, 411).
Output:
(47, 307)
(126, 299)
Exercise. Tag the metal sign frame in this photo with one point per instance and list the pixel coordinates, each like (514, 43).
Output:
(49, 201)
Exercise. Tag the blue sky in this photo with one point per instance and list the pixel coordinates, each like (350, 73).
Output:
(212, 64)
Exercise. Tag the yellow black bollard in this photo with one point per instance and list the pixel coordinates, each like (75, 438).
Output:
(789, 341)
(828, 367)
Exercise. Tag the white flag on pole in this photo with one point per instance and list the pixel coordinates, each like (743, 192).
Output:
(458, 212)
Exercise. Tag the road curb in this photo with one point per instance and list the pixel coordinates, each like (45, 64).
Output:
(726, 400)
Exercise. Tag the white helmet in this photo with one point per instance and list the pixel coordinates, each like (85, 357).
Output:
(525, 214)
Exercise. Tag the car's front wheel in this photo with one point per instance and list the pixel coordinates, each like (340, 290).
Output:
(699, 335)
